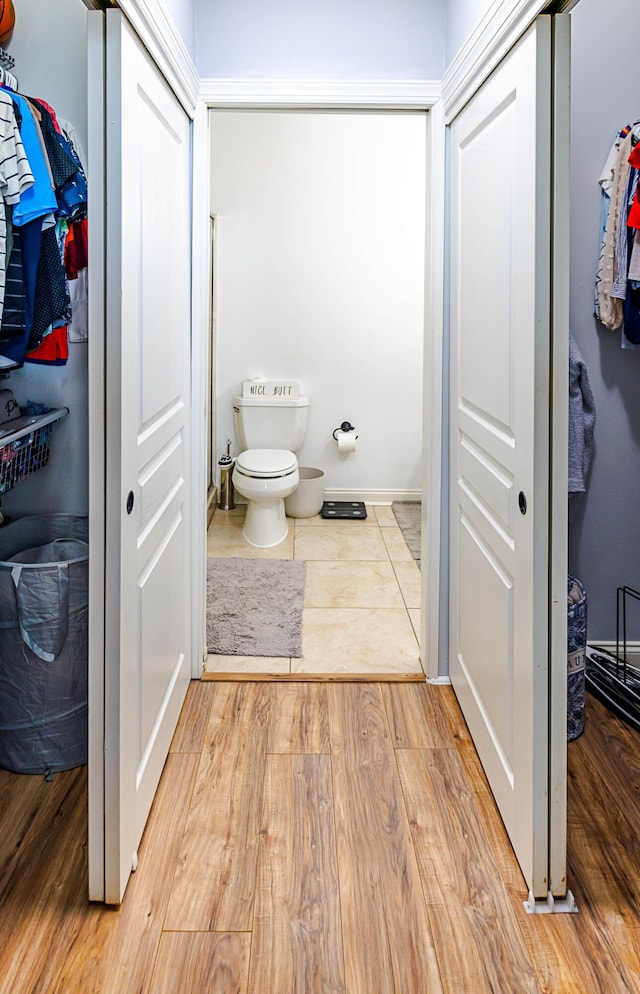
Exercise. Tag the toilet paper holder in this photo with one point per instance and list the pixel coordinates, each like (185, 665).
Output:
(345, 427)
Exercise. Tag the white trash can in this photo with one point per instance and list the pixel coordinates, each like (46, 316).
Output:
(306, 500)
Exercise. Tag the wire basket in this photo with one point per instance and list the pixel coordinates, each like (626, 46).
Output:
(25, 448)
(19, 459)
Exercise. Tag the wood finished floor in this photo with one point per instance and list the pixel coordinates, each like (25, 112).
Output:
(329, 838)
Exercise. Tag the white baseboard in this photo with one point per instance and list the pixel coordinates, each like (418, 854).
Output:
(633, 650)
(368, 496)
(373, 496)
(440, 681)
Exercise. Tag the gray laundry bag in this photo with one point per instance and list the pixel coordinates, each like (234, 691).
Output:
(44, 585)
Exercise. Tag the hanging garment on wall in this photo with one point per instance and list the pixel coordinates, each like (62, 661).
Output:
(40, 198)
(613, 181)
(48, 244)
(15, 176)
(582, 419)
(617, 284)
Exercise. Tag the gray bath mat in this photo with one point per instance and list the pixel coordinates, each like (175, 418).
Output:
(254, 607)
(408, 515)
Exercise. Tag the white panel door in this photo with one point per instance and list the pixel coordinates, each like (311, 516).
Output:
(500, 351)
(148, 568)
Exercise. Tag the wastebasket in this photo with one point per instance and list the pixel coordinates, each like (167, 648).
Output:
(576, 656)
(306, 500)
(44, 585)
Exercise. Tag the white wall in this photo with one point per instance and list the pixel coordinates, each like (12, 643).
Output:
(605, 535)
(320, 39)
(54, 35)
(321, 233)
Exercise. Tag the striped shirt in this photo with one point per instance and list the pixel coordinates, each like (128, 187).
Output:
(15, 176)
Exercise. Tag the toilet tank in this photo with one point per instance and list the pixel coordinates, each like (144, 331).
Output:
(262, 423)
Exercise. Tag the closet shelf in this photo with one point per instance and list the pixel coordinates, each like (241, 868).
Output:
(25, 445)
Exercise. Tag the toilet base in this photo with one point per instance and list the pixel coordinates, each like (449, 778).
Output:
(265, 524)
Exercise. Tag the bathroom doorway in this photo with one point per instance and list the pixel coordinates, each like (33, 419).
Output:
(321, 258)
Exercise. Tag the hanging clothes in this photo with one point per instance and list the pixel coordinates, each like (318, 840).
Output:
(582, 419)
(15, 177)
(46, 242)
(617, 284)
(609, 309)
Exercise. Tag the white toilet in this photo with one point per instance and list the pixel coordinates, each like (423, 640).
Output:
(269, 432)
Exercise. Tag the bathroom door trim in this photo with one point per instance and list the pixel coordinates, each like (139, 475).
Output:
(340, 95)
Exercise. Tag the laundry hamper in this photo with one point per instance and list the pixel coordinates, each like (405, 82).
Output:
(43, 643)
(576, 656)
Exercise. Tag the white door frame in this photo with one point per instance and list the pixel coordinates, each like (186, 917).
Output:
(217, 94)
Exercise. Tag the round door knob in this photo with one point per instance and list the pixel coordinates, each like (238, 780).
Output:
(130, 502)
(522, 502)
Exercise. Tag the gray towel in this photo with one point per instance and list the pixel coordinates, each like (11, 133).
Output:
(582, 418)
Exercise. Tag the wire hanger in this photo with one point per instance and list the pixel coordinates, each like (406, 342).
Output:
(6, 60)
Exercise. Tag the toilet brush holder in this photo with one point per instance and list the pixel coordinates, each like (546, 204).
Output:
(226, 500)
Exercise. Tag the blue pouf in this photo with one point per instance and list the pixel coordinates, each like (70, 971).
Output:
(576, 656)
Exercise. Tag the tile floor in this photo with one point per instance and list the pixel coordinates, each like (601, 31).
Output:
(362, 597)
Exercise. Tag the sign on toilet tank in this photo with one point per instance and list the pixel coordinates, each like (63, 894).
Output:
(271, 389)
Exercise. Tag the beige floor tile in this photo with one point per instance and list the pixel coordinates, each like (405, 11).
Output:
(229, 525)
(319, 522)
(227, 541)
(357, 640)
(396, 546)
(408, 576)
(351, 584)
(414, 614)
(358, 543)
(246, 664)
(221, 517)
(384, 515)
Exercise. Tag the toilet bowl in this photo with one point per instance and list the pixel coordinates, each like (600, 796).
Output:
(265, 477)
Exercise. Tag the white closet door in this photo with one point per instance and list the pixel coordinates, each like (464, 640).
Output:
(147, 373)
(500, 392)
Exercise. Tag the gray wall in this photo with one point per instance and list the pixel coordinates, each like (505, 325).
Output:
(320, 39)
(182, 13)
(461, 18)
(605, 531)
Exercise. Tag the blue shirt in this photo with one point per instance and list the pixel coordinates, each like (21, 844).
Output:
(40, 198)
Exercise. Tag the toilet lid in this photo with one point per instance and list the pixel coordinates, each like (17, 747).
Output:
(266, 462)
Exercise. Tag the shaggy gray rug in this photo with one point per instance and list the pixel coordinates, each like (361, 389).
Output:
(408, 513)
(254, 607)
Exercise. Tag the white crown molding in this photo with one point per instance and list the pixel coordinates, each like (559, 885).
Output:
(497, 31)
(159, 34)
(288, 93)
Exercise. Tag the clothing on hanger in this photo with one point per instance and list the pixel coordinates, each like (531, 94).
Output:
(617, 288)
(47, 244)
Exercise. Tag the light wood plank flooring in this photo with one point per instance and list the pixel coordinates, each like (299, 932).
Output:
(329, 838)
(361, 615)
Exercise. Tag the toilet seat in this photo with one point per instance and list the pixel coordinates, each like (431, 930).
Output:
(265, 464)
